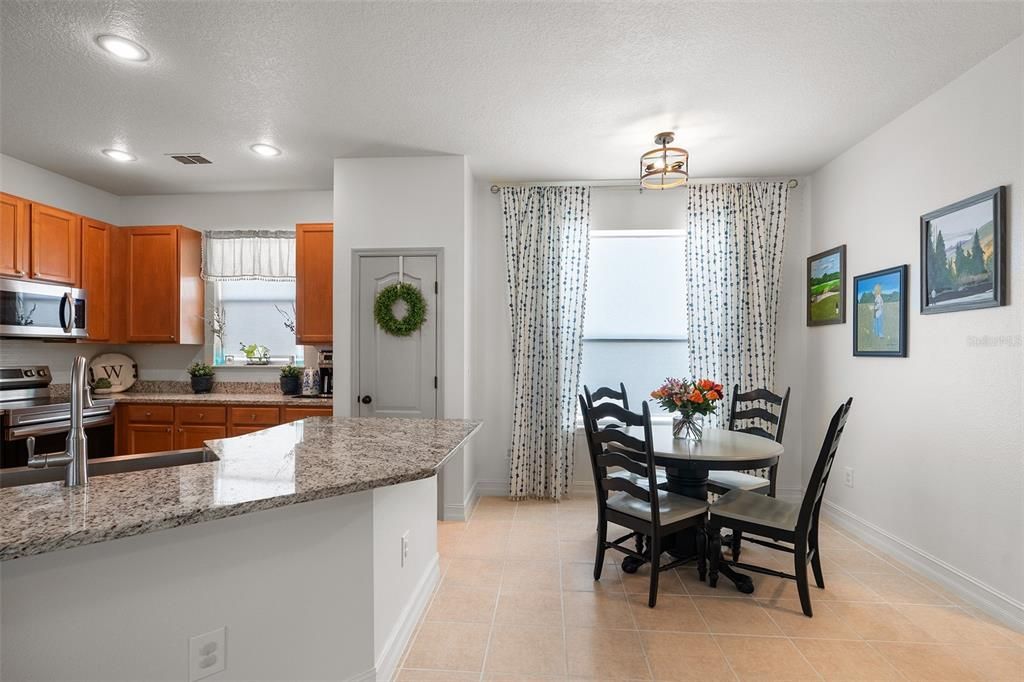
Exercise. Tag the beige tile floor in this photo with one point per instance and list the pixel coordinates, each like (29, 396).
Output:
(517, 601)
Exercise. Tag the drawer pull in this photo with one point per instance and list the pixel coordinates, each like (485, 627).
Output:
(149, 414)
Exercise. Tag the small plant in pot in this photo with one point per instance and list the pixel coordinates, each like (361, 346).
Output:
(291, 380)
(202, 377)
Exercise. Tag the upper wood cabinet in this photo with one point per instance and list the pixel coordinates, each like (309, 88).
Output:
(54, 236)
(97, 276)
(13, 236)
(314, 283)
(165, 290)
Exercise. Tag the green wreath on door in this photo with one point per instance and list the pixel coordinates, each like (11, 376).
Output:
(416, 309)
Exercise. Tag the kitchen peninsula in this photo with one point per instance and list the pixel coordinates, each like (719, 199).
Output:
(85, 567)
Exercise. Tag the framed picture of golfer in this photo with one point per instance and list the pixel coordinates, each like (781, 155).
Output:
(880, 313)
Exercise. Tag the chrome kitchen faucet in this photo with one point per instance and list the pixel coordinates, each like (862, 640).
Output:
(76, 453)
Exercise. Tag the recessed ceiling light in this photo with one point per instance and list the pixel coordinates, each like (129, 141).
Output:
(265, 150)
(123, 48)
(119, 155)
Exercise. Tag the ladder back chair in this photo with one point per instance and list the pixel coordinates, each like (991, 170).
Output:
(610, 394)
(781, 521)
(721, 482)
(649, 513)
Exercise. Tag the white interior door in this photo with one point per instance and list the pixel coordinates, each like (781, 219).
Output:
(397, 376)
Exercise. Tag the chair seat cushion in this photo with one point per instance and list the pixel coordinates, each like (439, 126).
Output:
(633, 478)
(743, 505)
(737, 480)
(671, 507)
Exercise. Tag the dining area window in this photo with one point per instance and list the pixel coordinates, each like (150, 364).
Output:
(635, 328)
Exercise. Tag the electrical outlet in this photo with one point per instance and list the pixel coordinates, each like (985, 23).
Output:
(848, 476)
(207, 654)
(405, 547)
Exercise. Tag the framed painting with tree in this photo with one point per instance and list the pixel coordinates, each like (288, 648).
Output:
(962, 258)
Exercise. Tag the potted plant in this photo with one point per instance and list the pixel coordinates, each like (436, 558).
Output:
(688, 401)
(255, 353)
(202, 377)
(101, 385)
(291, 380)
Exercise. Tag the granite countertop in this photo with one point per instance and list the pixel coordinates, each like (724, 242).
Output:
(218, 398)
(305, 460)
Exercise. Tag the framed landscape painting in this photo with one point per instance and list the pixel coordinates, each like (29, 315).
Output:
(962, 259)
(880, 313)
(826, 287)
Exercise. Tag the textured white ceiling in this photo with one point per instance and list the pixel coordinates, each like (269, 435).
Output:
(528, 91)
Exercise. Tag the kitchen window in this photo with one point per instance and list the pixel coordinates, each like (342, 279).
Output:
(635, 328)
(255, 313)
(250, 278)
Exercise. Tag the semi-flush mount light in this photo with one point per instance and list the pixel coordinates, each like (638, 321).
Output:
(665, 167)
(265, 150)
(122, 48)
(119, 155)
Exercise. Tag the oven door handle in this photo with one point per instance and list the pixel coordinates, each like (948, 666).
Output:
(28, 420)
(63, 426)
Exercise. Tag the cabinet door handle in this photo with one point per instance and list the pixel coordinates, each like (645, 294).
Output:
(180, 429)
(168, 429)
(19, 273)
(171, 337)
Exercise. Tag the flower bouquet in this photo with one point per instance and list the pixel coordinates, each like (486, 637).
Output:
(691, 400)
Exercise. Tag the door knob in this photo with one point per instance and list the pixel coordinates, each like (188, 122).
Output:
(366, 400)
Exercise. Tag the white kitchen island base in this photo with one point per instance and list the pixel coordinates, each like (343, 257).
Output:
(312, 591)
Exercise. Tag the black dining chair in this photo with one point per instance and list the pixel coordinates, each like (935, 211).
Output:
(781, 521)
(607, 393)
(649, 513)
(744, 418)
(610, 395)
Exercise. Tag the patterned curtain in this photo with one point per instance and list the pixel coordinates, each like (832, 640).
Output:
(546, 249)
(734, 240)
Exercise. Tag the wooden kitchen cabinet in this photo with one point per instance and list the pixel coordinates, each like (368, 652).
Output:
(13, 236)
(314, 283)
(291, 414)
(140, 438)
(54, 242)
(242, 430)
(97, 279)
(246, 419)
(191, 436)
(164, 289)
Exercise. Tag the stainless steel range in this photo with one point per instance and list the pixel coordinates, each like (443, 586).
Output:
(27, 409)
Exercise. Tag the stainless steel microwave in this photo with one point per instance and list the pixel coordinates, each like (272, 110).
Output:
(41, 311)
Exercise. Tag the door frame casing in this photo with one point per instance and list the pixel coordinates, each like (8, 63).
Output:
(438, 254)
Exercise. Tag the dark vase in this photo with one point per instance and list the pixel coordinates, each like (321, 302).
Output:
(202, 384)
(291, 385)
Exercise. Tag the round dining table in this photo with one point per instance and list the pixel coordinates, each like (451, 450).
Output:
(687, 464)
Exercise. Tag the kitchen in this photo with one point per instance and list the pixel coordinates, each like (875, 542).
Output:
(159, 413)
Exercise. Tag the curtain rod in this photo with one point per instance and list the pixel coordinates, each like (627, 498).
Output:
(792, 183)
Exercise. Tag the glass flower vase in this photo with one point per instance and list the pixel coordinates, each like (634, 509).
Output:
(687, 427)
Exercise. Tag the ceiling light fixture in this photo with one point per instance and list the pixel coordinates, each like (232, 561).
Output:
(665, 167)
(119, 155)
(265, 150)
(122, 48)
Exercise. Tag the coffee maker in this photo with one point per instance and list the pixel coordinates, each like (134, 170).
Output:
(325, 364)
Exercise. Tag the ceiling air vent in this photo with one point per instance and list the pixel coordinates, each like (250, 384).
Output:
(190, 159)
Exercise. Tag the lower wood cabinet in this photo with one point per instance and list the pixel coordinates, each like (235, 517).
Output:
(148, 427)
(189, 437)
(140, 438)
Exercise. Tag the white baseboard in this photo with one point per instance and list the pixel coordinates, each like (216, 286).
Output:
(365, 676)
(462, 512)
(387, 664)
(990, 600)
(492, 488)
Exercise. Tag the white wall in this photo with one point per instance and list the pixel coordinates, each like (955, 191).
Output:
(290, 584)
(35, 183)
(406, 202)
(228, 210)
(610, 209)
(401, 590)
(935, 439)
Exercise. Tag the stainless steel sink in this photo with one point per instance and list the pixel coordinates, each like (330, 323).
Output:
(101, 466)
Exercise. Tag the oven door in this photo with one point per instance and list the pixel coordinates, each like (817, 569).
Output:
(37, 310)
(52, 437)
